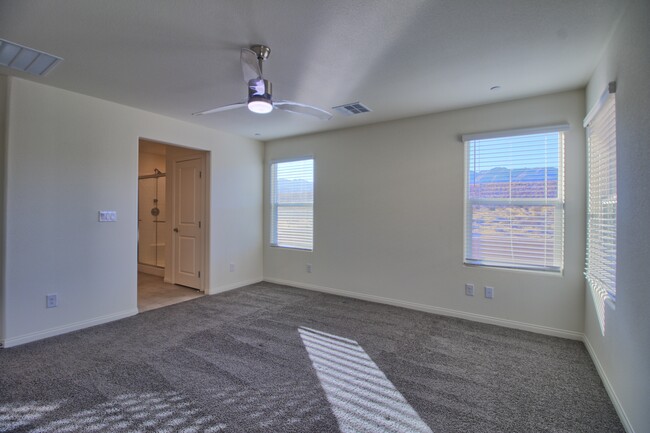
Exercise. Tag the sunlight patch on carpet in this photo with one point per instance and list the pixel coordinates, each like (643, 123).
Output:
(163, 412)
(361, 396)
(14, 415)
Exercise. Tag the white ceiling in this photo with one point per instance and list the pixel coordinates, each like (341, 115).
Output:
(401, 58)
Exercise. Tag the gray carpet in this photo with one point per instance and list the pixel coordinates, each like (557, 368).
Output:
(271, 358)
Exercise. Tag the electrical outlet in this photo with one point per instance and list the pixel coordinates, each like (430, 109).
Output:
(51, 300)
(489, 292)
(309, 268)
(469, 289)
(232, 267)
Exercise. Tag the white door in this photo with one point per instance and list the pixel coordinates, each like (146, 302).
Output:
(188, 227)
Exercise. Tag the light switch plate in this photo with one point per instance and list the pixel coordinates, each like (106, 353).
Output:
(107, 216)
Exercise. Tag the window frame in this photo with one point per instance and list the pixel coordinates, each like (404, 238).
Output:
(558, 203)
(273, 211)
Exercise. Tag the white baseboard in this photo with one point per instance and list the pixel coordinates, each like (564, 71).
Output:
(608, 387)
(572, 335)
(233, 286)
(39, 335)
(151, 270)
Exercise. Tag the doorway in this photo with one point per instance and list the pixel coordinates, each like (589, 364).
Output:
(152, 220)
(173, 211)
(154, 292)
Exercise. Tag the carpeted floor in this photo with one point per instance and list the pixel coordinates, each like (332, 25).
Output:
(271, 358)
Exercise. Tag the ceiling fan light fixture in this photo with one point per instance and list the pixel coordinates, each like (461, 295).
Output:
(260, 105)
(260, 99)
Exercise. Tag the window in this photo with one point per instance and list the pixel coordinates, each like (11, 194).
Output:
(292, 204)
(602, 200)
(514, 199)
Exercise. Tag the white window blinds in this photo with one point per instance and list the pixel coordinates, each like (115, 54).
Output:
(292, 204)
(514, 199)
(602, 201)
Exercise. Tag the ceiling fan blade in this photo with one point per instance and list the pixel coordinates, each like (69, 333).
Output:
(297, 107)
(223, 108)
(250, 65)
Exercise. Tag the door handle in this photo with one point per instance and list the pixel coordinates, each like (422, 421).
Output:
(176, 229)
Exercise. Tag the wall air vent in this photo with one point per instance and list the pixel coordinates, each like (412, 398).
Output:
(352, 109)
(25, 59)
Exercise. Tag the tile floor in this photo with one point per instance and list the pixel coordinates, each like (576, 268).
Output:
(154, 293)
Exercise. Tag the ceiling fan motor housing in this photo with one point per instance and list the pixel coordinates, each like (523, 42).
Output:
(259, 96)
(259, 88)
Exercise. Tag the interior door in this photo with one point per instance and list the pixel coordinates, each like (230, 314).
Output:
(188, 213)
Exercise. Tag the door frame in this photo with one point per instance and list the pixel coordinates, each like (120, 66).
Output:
(175, 153)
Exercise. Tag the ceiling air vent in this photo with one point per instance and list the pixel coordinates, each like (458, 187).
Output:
(26, 59)
(352, 109)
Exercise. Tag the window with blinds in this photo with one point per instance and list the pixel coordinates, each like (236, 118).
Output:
(514, 199)
(292, 204)
(602, 201)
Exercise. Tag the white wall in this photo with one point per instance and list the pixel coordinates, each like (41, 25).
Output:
(389, 218)
(3, 112)
(70, 155)
(623, 353)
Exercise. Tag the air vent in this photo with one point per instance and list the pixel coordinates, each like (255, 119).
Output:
(352, 109)
(26, 59)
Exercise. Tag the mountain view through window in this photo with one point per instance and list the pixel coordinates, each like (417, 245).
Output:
(514, 201)
(292, 204)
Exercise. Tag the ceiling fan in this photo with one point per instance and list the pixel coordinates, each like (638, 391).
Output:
(260, 99)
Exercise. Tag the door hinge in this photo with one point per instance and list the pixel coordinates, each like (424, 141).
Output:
(199, 274)
(199, 224)
(200, 174)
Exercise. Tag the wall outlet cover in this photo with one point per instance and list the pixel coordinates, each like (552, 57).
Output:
(51, 300)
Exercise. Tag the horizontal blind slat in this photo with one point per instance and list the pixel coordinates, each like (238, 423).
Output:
(602, 202)
(292, 202)
(514, 201)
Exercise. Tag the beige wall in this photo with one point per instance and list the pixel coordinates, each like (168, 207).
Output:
(147, 162)
(623, 353)
(389, 218)
(70, 155)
